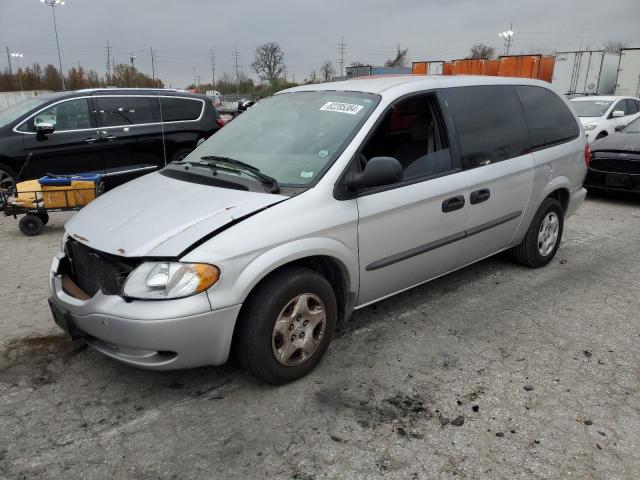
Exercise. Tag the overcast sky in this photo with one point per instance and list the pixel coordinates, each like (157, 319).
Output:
(183, 31)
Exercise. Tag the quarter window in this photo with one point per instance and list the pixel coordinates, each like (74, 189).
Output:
(489, 123)
(121, 111)
(177, 109)
(549, 120)
(68, 115)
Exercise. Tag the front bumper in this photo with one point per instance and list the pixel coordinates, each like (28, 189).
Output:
(159, 335)
(615, 181)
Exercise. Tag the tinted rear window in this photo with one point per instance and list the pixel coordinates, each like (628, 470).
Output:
(550, 121)
(176, 109)
(489, 123)
(125, 110)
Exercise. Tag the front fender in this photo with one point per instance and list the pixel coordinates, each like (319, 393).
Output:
(238, 288)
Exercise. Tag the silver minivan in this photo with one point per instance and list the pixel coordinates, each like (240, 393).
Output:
(316, 202)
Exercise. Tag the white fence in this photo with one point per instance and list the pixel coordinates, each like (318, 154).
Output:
(9, 98)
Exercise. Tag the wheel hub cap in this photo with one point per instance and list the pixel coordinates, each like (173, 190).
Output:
(299, 329)
(548, 233)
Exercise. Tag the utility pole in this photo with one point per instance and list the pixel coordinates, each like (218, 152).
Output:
(194, 75)
(132, 59)
(10, 72)
(153, 66)
(108, 63)
(53, 4)
(508, 38)
(341, 50)
(236, 56)
(212, 55)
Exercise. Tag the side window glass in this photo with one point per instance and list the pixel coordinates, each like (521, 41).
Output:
(180, 109)
(413, 133)
(622, 106)
(632, 108)
(489, 122)
(122, 111)
(69, 115)
(548, 118)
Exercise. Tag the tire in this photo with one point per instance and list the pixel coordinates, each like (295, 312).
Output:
(180, 154)
(8, 177)
(267, 351)
(31, 225)
(534, 251)
(44, 217)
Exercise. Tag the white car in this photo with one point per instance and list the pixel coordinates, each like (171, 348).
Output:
(603, 115)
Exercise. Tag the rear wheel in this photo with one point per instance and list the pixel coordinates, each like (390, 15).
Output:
(543, 238)
(287, 325)
(8, 178)
(31, 225)
(44, 217)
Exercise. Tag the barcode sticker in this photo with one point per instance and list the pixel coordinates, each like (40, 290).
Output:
(350, 108)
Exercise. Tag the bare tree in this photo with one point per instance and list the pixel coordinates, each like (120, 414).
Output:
(614, 46)
(313, 77)
(269, 61)
(400, 60)
(327, 71)
(480, 50)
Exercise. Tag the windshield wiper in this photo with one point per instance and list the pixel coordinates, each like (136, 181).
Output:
(240, 165)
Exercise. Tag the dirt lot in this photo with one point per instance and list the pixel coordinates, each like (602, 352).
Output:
(495, 371)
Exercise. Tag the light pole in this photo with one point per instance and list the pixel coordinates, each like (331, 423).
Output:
(53, 4)
(18, 56)
(508, 38)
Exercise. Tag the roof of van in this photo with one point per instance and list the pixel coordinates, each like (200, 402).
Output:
(383, 83)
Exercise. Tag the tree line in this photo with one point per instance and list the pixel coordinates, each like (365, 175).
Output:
(35, 77)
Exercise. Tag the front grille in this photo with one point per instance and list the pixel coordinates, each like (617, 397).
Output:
(95, 271)
(616, 163)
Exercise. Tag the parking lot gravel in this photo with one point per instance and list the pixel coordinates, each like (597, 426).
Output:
(495, 371)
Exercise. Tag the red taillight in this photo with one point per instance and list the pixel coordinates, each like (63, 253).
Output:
(220, 122)
(587, 154)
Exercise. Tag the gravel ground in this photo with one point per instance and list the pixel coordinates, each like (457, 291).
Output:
(495, 371)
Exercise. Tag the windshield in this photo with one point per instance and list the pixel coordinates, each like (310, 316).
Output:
(591, 108)
(292, 137)
(14, 112)
(633, 127)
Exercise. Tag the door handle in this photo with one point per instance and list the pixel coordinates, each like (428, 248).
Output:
(480, 196)
(453, 203)
(90, 140)
(110, 137)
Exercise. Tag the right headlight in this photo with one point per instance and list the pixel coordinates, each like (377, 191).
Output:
(169, 280)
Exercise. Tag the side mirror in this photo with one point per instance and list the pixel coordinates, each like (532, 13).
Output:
(617, 114)
(44, 128)
(378, 171)
(619, 128)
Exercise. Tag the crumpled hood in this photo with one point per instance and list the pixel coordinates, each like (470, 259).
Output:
(160, 216)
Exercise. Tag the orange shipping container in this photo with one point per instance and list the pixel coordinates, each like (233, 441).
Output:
(447, 68)
(493, 66)
(419, 68)
(470, 66)
(526, 66)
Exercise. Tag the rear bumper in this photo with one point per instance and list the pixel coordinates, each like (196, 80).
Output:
(603, 180)
(575, 200)
(158, 335)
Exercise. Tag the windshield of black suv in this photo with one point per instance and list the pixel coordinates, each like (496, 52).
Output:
(15, 111)
(633, 127)
(591, 108)
(291, 137)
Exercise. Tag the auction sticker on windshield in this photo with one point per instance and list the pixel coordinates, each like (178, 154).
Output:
(350, 108)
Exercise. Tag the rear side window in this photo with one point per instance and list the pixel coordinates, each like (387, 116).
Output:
(550, 121)
(489, 123)
(177, 109)
(632, 108)
(125, 110)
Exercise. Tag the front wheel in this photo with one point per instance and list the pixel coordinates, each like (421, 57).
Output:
(286, 325)
(543, 238)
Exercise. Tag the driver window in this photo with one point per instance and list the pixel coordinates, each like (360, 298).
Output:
(622, 106)
(412, 132)
(69, 115)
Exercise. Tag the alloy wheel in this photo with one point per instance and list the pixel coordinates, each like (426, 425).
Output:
(548, 233)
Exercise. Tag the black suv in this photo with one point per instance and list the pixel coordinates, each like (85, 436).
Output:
(123, 133)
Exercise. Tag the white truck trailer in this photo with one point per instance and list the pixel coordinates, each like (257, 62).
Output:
(585, 72)
(628, 82)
